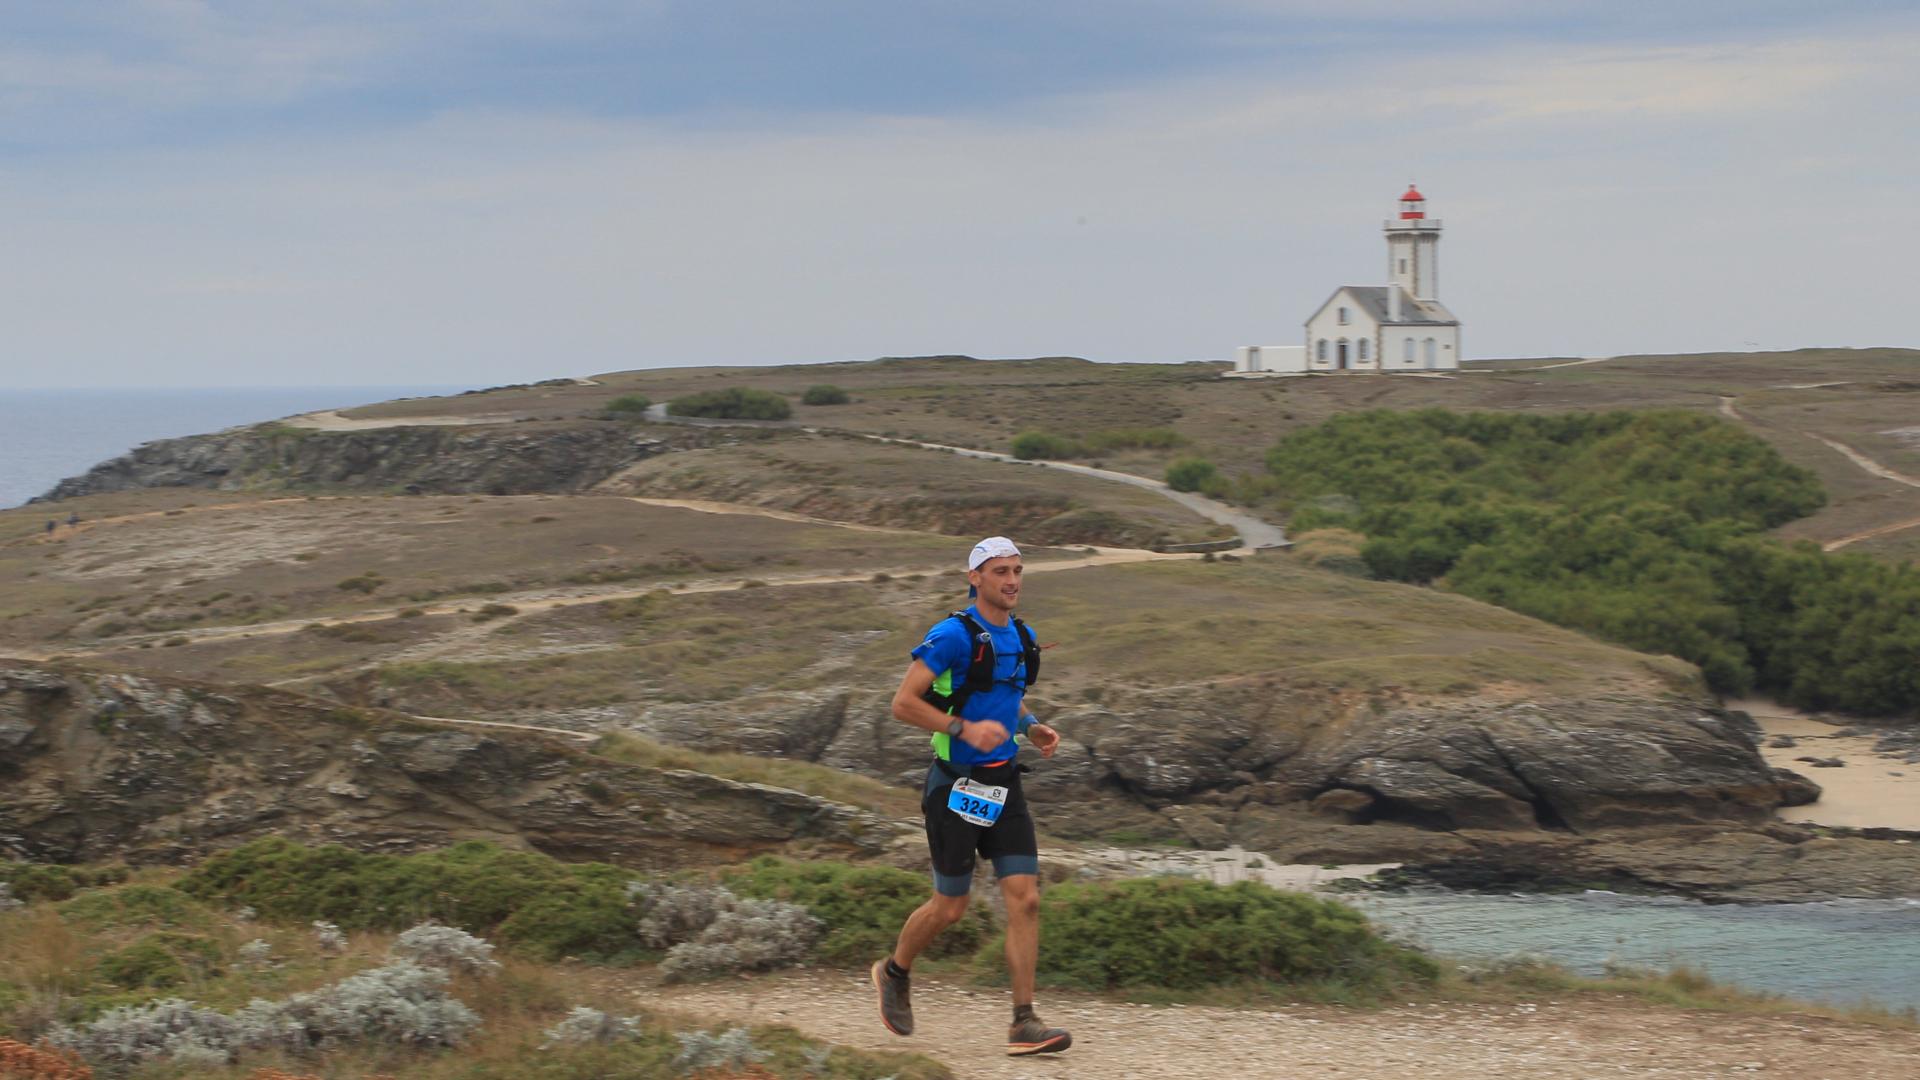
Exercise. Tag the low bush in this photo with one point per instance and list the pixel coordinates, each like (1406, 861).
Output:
(474, 886)
(1193, 474)
(1041, 446)
(48, 881)
(136, 905)
(628, 406)
(161, 961)
(733, 403)
(1182, 934)
(860, 907)
(825, 394)
(18, 1061)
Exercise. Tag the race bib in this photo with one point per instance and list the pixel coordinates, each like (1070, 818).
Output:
(976, 802)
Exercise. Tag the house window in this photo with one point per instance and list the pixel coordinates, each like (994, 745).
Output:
(1363, 348)
(1430, 352)
(1321, 352)
(1403, 266)
(1343, 316)
(1406, 350)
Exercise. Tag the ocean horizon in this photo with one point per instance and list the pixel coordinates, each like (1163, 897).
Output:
(47, 435)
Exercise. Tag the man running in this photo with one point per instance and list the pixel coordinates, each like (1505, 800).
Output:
(973, 802)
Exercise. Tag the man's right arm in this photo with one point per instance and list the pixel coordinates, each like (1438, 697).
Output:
(910, 706)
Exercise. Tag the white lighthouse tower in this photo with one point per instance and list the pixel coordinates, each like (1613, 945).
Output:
(1413, 248)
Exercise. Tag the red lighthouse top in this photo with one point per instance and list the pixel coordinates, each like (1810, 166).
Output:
(1412, 204)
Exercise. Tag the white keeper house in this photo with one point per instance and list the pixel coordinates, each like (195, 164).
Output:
(1401, 326)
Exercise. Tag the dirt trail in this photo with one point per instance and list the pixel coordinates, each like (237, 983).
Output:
(331, 420)
(87, 525)
(538, 600)
(1883, 530)
(1548, 1039)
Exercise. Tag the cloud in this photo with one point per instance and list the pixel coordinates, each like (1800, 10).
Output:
(1598, 198)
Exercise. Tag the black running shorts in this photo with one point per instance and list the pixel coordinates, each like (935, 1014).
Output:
(954, 841)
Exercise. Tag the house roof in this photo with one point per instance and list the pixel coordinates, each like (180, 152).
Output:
(1412, 312)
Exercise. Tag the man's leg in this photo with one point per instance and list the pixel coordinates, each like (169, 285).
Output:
(892, 980)
(1022, 894)
(939, 912)
(1028, 1034)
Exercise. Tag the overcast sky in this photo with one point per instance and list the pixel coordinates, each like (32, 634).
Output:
(475, 191)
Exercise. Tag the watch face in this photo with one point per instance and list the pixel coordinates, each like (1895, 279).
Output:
(955, 727)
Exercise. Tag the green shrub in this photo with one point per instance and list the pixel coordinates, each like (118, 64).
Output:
(824, 394)
(159, 961)
(1179, 933)
(1191, 474)
(52, 881)
(1644, 528)
(628, 406)
(733, 403)
(136, 905)
(368, 582)
(862, 907)
(1040, 446)
(536, 903)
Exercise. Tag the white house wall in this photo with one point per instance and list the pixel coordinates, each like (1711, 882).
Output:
(1326, 326)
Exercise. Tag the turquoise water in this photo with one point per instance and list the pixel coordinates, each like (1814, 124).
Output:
(49, 435)
(1840, 952)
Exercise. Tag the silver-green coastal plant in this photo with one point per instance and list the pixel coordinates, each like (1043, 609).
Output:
(755, 935)
(584, 1026)
(447, 948)
(731, 1049)
(707, 930)
(169, 1028)
(399, 1003)
(255, 955)
(329, 936)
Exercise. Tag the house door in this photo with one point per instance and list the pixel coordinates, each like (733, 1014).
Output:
(1342, 365)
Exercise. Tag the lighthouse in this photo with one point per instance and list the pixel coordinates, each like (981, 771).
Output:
(1397, 327)
(1413, 248)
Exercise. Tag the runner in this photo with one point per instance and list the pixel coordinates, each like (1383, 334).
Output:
(967, 684)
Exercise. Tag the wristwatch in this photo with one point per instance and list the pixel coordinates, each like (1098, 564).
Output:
(956, 727)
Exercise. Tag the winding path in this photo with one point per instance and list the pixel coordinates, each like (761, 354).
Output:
(1553, 1037)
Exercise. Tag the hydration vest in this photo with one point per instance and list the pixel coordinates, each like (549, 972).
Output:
(981, 663)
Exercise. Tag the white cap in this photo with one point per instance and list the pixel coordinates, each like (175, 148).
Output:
(993, 547)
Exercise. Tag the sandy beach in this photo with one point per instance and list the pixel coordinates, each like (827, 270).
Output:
(1870, 790)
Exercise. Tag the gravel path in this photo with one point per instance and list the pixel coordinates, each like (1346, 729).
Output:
(1548, 1039)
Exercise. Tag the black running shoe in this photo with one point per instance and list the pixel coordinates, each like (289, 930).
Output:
(1033, 1036)
(896, 1000)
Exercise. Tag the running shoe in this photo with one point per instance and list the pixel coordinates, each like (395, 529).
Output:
(896, 1000)
(1033, 1036)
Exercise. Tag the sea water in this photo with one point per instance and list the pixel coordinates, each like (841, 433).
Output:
(1840, 951)
(49, 435)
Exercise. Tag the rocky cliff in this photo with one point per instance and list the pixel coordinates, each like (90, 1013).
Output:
(121, 767)
(1631, 793)
(503, 459)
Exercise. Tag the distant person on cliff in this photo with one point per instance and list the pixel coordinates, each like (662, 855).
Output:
(967, 684)
(52, 524)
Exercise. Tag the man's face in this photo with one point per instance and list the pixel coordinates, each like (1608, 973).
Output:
(998, 581)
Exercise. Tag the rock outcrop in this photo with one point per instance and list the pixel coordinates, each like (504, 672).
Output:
(1576, 766)
(123, 767)
(503, 459)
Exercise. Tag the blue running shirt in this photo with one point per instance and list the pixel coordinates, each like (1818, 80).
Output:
(946, 652)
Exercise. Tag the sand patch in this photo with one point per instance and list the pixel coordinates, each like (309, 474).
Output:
(1871, 790)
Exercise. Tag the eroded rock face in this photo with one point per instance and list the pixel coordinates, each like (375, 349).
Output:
(1573, 766)
(151, 770)
(506, 459)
